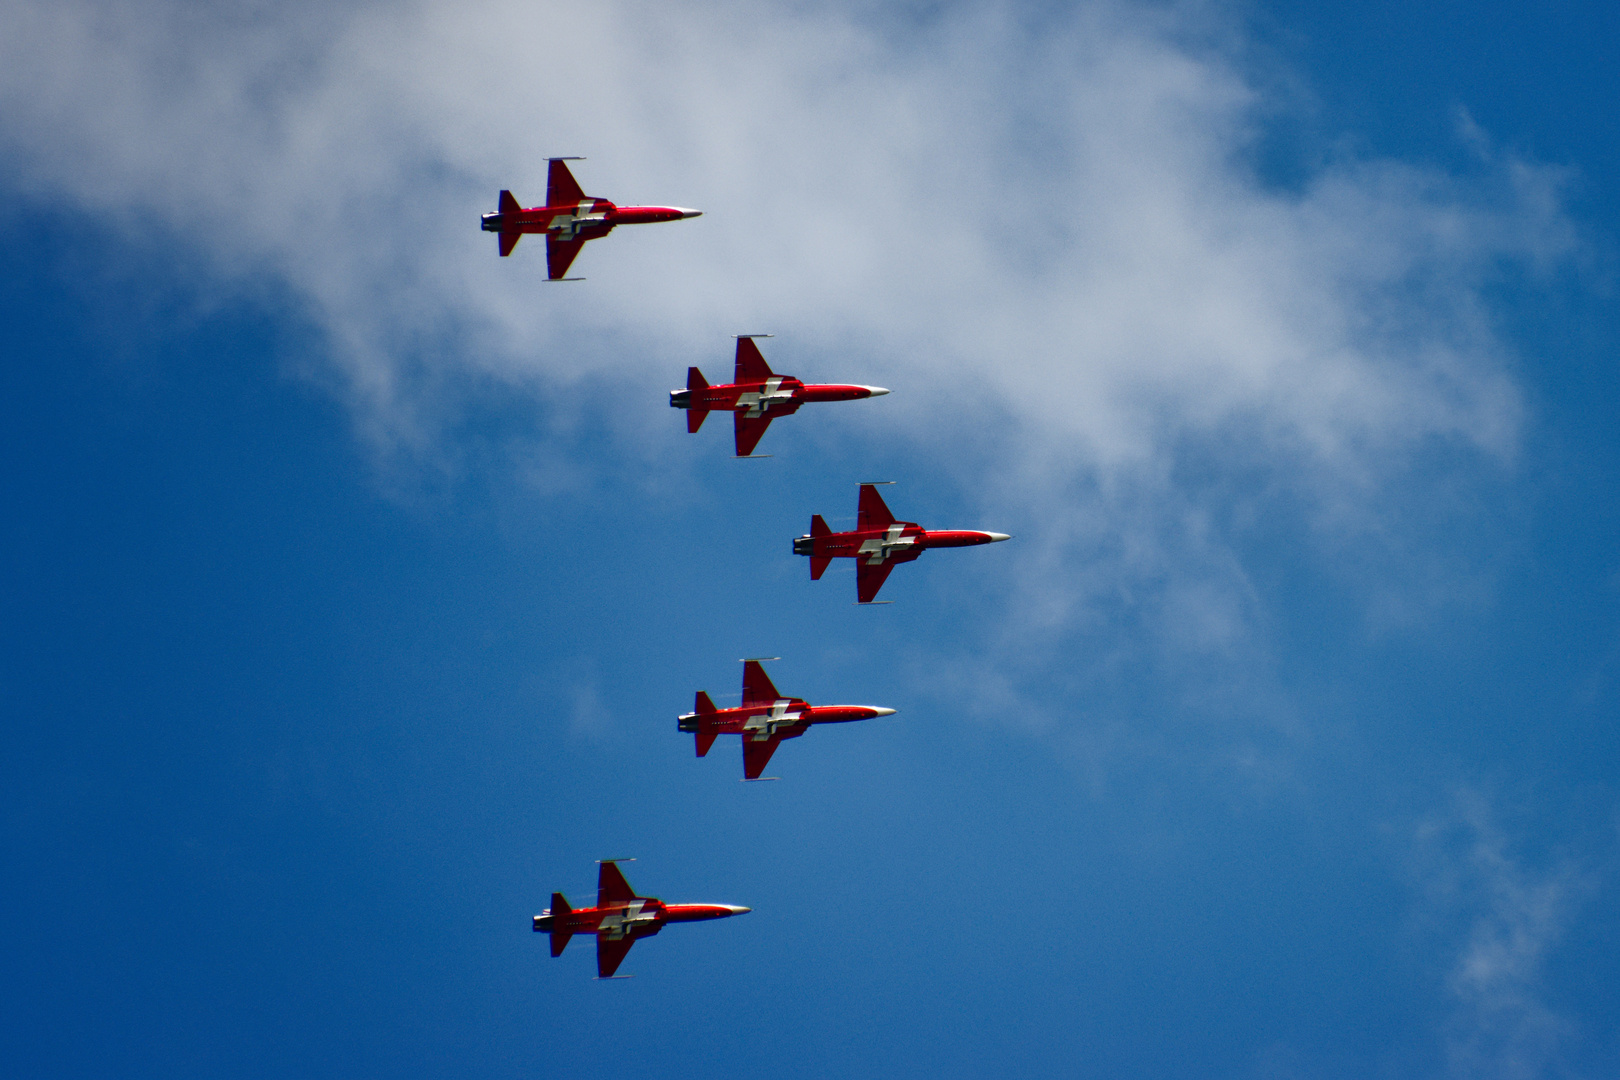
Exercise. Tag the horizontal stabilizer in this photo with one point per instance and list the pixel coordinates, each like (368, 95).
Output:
(559, 924)
(818, 527)
(508, 204)
(706, 733)
(508, 242)
(695, 418)
(818, 566)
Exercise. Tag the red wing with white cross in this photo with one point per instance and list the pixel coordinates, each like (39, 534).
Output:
(765, 719)
(878, 543)
(619, 919)
(568, 220)
(755, 396)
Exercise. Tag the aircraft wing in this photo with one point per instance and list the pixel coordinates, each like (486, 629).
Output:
(751, 365)
(611, 888)
(561, 187)
(749, 432)
(874, 512)
(869, 579)
(610, 954)
(757, 686)
(560, 255)
(756, 754)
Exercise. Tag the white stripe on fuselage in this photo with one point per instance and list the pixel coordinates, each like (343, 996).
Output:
(762, 726)
(880, 548)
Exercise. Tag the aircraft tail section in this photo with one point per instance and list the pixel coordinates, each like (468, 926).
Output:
(559, 924)
(507, 204)
(695, 383)
(818, 563)
(751, 365)
(508, 241)
(706, 729)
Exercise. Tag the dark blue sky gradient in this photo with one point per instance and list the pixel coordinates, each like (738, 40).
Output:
(298, 739)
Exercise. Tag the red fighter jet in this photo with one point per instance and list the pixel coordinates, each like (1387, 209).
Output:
(569, 218)
(619, 919)
(756, 395)
(764, 718)
(879, 542)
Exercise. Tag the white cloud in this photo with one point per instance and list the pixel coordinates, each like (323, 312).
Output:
(1046, 232)
(1515, 915)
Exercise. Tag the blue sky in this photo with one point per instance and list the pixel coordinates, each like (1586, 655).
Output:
(354, 578)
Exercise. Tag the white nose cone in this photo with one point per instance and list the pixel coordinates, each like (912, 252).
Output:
(884, 712)
(875, 391)
(735, 909)
(997, 536)
(685, 213)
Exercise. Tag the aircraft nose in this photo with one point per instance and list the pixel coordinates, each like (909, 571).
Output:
(737, 909)
(997, 536)
(685, 213)
(883, 712)
(876, 391)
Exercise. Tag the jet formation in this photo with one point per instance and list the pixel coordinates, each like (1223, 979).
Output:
(764, 718)
(879, 542)
(568, 219)
(619, 919)
(755, 395)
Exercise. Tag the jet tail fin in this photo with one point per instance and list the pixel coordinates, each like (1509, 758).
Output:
(694, 383)
(706, 733)
(508, 242)
(508, 204)
(819, 563)
(559, 924)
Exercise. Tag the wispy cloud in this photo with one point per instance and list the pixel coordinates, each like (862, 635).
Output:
(1046, 231)
(1513, 914)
